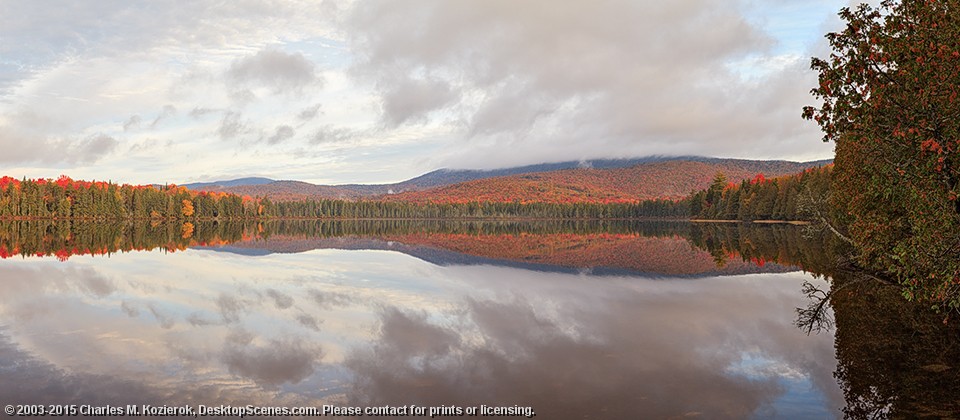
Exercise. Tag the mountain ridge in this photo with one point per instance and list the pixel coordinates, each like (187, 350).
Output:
(618, 173)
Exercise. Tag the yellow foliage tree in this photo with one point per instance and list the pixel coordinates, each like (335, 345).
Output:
(187, 208)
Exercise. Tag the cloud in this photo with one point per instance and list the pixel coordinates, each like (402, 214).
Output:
(426, 84)
(165, 320)
(281, 361)
(129, 309)
(408, 333)
(29, 377)
(282, 133)
(230, 308)
(95, 284)
(608, 346)
(199, 320)
(309, 113)
(329, 134)
(25, 145)
(167, 112)
(281, 71)
(280, 300)
(132, 123)
(540, 81)
(411, 99)
(309, 322)
(198, 112)
(231, 125)
(329, 300)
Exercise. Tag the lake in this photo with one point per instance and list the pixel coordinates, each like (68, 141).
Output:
(564, 320)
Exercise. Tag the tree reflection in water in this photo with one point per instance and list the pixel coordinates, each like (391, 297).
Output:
(895, 358)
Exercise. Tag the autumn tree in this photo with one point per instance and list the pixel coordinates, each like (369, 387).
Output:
(889, 93)
(187, 208)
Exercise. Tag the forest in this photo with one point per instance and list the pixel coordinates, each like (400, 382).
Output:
(65, 198)
(782, 198)
(792, 197)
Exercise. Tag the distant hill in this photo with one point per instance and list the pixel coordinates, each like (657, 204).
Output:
(291, 191)
(443, 177)
(669, 179)
(596, 180)
(207, 186)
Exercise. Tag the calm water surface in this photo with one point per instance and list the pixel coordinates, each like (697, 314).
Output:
(597, 322)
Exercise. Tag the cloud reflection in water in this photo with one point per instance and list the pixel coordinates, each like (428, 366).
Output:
(374, 327)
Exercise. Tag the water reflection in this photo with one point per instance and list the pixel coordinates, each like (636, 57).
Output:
(605, 247)
(625, 347)
(446, 314)
(897, 359)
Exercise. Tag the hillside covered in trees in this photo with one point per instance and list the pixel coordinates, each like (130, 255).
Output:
(670, 180)
(600, 181)
(799, 196)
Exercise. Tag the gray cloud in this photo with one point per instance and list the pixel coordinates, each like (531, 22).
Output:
(91, 148)
(309, 113)
(166, 321)
(167, 112)
(230, 308)
(281, 134)
(329, 300)
(198, 112)
(198, 320)
(281, 71)
(330, 134)
(242, 96)
(281, 361)
(132, 123)
(96, 285)
(280, 300)
(129, 309)
(411, 99)
(309, 322)
(231, 125)
(408, 333)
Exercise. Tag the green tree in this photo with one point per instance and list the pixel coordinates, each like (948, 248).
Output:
(889, 95)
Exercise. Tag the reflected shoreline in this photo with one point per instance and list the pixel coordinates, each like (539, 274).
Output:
(603, 246)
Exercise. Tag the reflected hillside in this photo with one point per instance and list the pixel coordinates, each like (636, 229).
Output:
(599, 247)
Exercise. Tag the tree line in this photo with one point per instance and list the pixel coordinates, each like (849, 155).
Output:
(65, 198)
(791, 197)
(783, 198)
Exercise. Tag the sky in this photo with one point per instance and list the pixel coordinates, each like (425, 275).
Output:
(381, 91)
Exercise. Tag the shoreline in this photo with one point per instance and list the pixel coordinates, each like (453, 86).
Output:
(455, 219)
